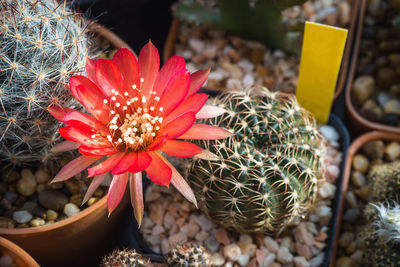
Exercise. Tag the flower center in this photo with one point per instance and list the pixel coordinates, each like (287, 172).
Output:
(135, 124)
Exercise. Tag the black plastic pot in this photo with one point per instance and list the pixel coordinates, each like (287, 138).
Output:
(132, 239)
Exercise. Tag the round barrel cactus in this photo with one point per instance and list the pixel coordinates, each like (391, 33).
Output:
(268, 173)
(125, 258)
(188, 255)
(42, 44)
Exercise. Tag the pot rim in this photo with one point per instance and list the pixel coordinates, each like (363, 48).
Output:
(17, 253)
(354, 60)
(352, 151)
(116, 41)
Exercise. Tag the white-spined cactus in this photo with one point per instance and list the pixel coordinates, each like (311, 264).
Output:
(42, 44)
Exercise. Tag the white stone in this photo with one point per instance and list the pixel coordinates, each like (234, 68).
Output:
(243, 259)
(246, 238)
(204, 223)
(246, 65)
(248, 80)
(327, 190)
(383, 98)
(271, 244)
(70, 209)
(232, 252)
(168, 220)
(165, 247)
(196, 44)
(329, 132)
(234, 84)
(212, 244)
(284, 256)
(158, 229)
(216, 259)
(300, 262)
(317, 260)
(22, 216)
(201, 236)
(178, 238)
(218, 76)
(269, 259)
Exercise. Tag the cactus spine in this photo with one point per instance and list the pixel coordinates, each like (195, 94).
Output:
(43, 43)
(187, 255)
(268, 173)
(125, 258)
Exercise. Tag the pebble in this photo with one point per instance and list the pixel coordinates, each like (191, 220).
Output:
(300, 262)
(284, 256)
(247, 248)
(51, 199)
(374, 149)
(222, 236)
(351, 215)
(204, 223)
(91, 201)
(357, 256)
(363, 88)
(317, 260)
(26, 186)
(197, 45)
(358, 179)
(232, 252)
(51, 215)
(42, 176)
(392, 151)
(212, 244)
(351, 199)
(345, 262)
(6, 223)
(70, 209)
(37, 222)
(6, 261)
(329, 133)
(178, 238)
(10, 196)
(346, 238)
(327, 190)
(271, 244)
(156, 213)
(216, 259)
(22, 216)
(392, 107)
(243, 259)
(10, 176)
(360, 163)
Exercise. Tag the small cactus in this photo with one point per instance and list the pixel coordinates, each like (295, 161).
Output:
(382, 235)
(125, 258)
(42, 44)
(268, 173)
(384, 180)
(188, 255)
(260, 20)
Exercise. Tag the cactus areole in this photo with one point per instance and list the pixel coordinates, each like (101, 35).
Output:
(269, 171)
(137, 112)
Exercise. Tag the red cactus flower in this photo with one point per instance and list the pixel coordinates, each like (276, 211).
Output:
(137, 112)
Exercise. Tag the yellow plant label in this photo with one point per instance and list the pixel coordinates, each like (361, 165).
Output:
(321, 57)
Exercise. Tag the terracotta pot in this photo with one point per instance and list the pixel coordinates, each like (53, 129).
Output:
(358, 123)
(80, 240)
(353, 149)
(19, 256)
(169, 47)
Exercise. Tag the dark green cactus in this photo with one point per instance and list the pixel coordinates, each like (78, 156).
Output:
(382, 235)
(385, 182)
(188, 255)
(268, 173)
(125, 258)
(252, 19)
(42, 44)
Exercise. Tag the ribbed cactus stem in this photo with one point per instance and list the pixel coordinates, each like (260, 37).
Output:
(125, 258)
(268, 173)
(42, 44)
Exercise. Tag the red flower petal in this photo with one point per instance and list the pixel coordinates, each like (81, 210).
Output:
(92, 187)
(205, 132)
(106, 165)
(116, 191)
(180, 184)
(74, 167)
(149, 64)
(84, 137)
(178, 126)
(158, 171)
(90, 69)
(180, 148)
(136, 189)
(90, 96)
(59, 112)
(128, 66)
(125, 163)
(193, 103)
(158, 142)
(207, 112)
(109, 77)
(175, 92)
(197, 80)
(170, 68)
(81, 120)
(96, 152)
(65, 146)
(143, 161)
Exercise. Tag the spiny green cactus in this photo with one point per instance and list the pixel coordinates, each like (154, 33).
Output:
(42, 44)
(385, 182)
(382, 235)
(268, 173)
(253, 19)
(125, 258)
(188, 255)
